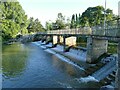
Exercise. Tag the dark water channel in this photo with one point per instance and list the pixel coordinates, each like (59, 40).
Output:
(29, 66)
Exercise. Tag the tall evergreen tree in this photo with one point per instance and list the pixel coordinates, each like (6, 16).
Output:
(72, 21)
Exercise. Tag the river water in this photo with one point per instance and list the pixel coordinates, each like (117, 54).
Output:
(29, 66)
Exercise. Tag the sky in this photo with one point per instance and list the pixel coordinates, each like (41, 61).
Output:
(46, 10)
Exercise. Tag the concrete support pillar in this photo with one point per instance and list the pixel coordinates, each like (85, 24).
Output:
(71, 41)
(95, 48)
(117, 81)
(64, 43)
(58, 39)
(54, 39)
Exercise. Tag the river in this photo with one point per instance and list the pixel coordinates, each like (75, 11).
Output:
(29, 66)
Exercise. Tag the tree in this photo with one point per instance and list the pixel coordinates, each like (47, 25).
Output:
(38, 26)
(14, 20)
(73, 22)
(60, 22)
(95, 16)
(48, 26)
(35, 25)
(68, 23)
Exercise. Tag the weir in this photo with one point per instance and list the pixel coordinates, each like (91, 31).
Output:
(97, 42)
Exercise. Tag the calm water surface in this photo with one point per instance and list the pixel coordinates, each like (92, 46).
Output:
(29, 66)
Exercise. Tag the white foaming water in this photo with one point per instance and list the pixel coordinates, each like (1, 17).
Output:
(50, 51)
(49, 45)
(36, 43)
(87, 79)
(43, 47)
(58, 48)
(64, 85)
(68, 61)
(78, 54)
(64, 59)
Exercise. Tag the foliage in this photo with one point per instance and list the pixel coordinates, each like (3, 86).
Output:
(58, 24)
(95, 16)
(75, 21)
(34, 26)
(91, 17)
(60, 21)
(48, 25)
(13, 19)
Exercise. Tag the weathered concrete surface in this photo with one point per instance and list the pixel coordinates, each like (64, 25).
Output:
(71, 41)
(68, 40)
(55, 39)
(95, 48)
(61, 39)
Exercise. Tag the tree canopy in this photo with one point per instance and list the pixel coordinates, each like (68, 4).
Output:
(58, 24)
(13, 19)
(95, 16)
(35, 26)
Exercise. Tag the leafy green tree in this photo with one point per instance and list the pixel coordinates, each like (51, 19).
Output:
(13, 20)
(35, 26)
(38, 26)
(60, 22)
(68, 23)
(48, 26)
(95, 16)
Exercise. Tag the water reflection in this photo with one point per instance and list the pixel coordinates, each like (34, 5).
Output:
(13, 60)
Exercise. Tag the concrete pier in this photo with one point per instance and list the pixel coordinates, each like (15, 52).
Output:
(95, 48)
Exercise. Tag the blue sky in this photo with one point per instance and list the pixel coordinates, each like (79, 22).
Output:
(46, 10)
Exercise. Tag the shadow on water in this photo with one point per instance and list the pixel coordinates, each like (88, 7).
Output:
(13, 60)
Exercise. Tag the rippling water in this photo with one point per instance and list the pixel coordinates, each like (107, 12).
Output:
(29, 66)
